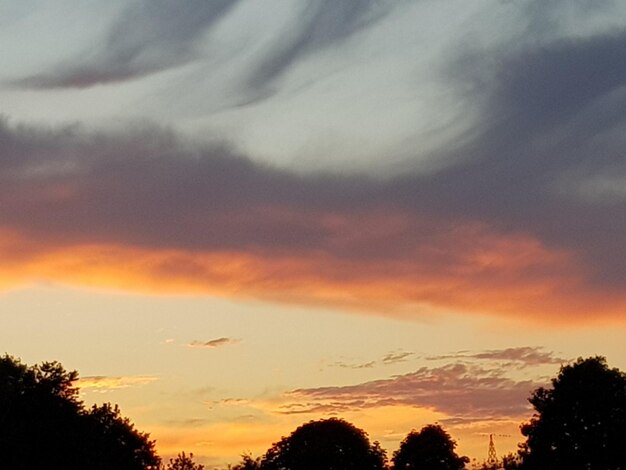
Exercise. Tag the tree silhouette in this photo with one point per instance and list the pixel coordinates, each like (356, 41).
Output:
(330, 444)
(183, 462)
(579, 423)
(43, 424)
(432, 448)
(248, 463)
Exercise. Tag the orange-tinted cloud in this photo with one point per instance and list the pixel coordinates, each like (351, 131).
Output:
(520, 278)
(146, 211)
(103, 382)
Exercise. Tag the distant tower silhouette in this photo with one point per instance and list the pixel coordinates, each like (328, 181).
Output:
(491, 455)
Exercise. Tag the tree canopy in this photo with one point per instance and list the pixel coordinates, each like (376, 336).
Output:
(580, 422)
(432, 448)
(44, 424)
(330, 444)
(183, 462)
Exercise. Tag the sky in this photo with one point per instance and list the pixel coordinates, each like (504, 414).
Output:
(233, 217)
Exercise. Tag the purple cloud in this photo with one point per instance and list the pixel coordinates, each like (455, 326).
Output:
(525, 356)
(458, 390)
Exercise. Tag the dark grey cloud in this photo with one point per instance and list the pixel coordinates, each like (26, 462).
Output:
(457, 389)
(148, 36)
(549, 122)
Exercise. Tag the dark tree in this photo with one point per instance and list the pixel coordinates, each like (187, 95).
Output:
(331, 444)
(116, 443)
(43, 424)
(248, 463)
(183, 462)
(579, 423)
(432, 448)
(511, 462)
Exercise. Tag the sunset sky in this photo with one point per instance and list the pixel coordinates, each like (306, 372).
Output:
(235, 216)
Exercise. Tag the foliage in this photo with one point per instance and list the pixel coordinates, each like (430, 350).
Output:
(248, 463)
(183, 462)
(511, 462)
(580, 422)
(329, 444)
(432, 448)
(43, 424)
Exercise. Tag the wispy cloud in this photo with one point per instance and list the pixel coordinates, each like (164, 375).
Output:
(393, 358)
(317, 25)
(525, 356)
(457, 389)
(387, 359)
(103, 382)
(351, 365)
(214, 343)
(147, 37)
(153, 36)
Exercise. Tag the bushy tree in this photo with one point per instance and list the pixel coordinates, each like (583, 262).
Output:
(580, 422)
(511, 462)
(331, 444)
(432, 448)
(183, 462)
(248, 463)
(44, 424)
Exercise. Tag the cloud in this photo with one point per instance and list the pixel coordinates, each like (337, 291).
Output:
(148, 36)
(521, 218)
(319, 25)
(550, 122)
(457, 389)
(214, 343)
(525, 356)
(347, 365)
(146, 209)
(103, 382)
(393, 358)
(153, 36)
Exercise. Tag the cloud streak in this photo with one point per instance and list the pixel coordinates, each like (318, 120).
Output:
(212, 344)
(103, 382)
(320, 24)
(153, 36)
(147, 37)
(525, 356)
(458, 390)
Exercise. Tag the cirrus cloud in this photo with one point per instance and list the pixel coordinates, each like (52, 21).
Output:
(212, 344)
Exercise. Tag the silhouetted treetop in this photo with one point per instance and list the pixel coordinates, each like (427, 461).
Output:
(183, 462)
(44, 424)
(432, 448)
(580, 422)
(330, 444)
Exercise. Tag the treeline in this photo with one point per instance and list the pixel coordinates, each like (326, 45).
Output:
(579, 423)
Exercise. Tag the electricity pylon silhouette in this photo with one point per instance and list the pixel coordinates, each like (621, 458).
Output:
(492, 457)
